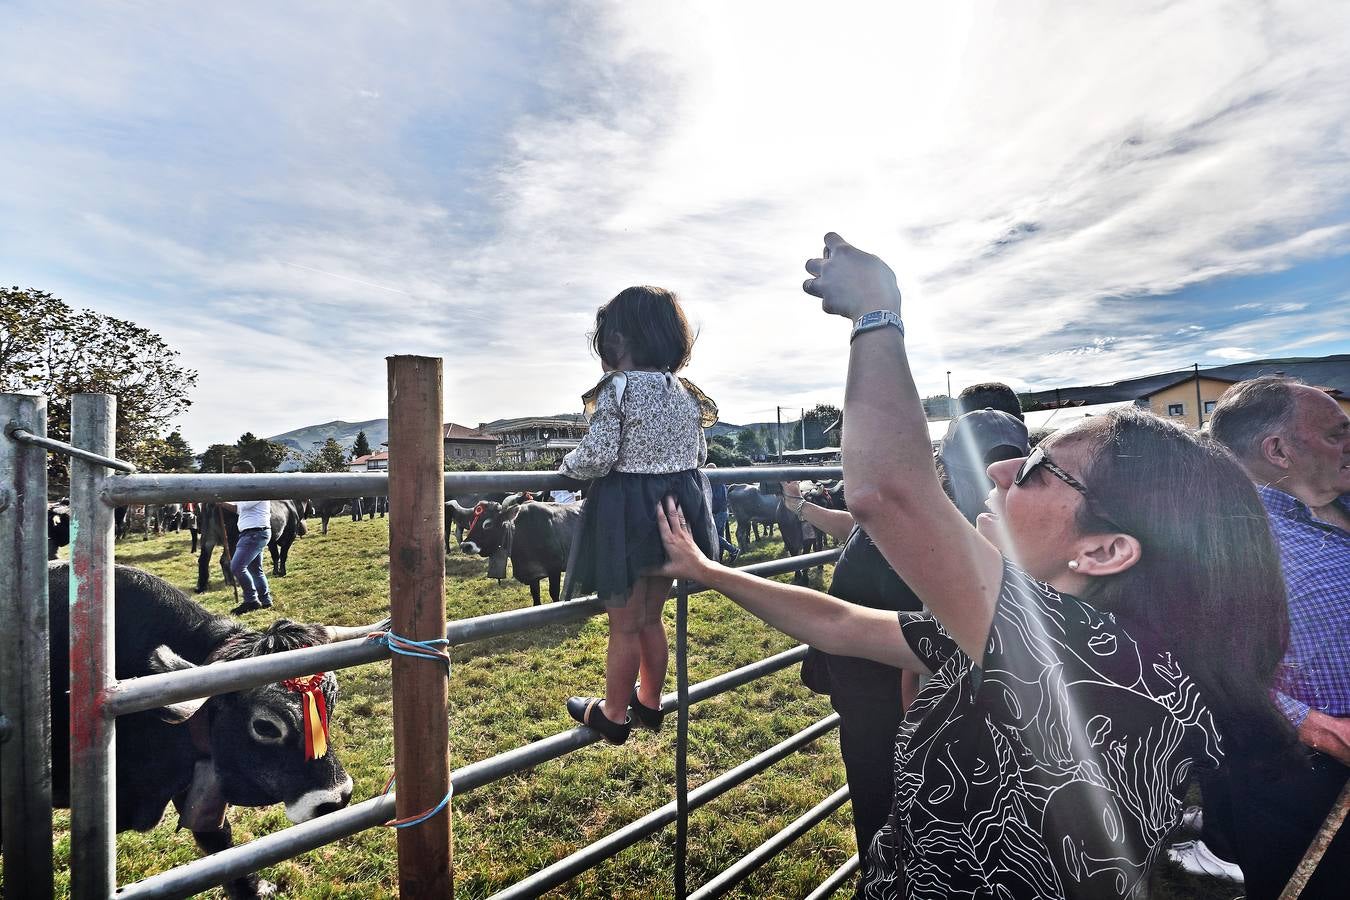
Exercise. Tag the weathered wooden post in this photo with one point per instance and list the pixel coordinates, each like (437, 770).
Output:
(25, 659)
(93, 771)
(417, 606)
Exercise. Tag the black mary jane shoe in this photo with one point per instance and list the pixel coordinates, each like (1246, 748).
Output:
(646, 716)
(587, 711)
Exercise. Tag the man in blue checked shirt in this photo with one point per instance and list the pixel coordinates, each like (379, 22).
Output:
(1294, 441)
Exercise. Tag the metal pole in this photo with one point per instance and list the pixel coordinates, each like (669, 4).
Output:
(93, 778)
(842, 874)
(417, 604)
(951, 405)
(682, 740)
(772, 847)
(25, 657)
(778, 433)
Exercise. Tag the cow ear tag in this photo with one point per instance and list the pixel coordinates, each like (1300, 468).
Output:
(314, 711)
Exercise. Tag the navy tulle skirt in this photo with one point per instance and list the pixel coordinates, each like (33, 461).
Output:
(618, 538)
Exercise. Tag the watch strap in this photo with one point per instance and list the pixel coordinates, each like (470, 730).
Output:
(879, 318)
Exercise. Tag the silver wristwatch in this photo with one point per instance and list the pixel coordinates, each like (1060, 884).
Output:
(878, 318)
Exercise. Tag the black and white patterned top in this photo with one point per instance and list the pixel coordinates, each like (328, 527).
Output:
(643, 422)
(1056, 770)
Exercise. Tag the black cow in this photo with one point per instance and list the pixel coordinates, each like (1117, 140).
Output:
(327, 510)
(749, 502)
(243, 748)
(286, 527)
(459, 514)
(58, 526)
(537, 537)
(169, 517)
(121, 521)
(368, 506)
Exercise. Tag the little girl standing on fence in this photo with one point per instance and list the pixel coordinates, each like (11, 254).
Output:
(645, 443)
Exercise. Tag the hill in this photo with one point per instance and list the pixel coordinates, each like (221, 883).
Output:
(303, 439)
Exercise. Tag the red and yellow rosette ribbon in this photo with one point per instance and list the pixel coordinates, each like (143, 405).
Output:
(314, 711)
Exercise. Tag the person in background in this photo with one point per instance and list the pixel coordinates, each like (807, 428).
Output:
(1294, 442)
(720, 515)
(870, 697)
(255, 532)
(989, 395)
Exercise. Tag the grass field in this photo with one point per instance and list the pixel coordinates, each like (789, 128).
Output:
(509, 691)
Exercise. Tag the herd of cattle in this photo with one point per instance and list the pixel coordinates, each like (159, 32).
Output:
(247, 748)
(533, 535)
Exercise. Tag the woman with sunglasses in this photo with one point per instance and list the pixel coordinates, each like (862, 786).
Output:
(1110, 625)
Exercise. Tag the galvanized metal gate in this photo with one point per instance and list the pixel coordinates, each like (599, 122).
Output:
(99, 699)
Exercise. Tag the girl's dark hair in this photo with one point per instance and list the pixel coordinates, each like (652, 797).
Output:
(1208, 580)
(648, 323)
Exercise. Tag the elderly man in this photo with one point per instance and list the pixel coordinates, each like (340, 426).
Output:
(1294, 441)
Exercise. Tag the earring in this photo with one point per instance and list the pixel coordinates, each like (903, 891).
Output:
(1073, 564)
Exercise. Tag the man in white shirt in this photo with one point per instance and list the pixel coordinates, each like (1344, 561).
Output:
(255, 532)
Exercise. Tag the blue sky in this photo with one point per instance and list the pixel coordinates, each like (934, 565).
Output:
(288, 193)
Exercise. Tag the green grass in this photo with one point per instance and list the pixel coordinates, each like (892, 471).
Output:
(509, 691)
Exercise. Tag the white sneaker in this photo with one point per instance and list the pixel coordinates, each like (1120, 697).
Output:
(1196, 858)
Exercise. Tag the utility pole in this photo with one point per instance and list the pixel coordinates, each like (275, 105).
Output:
(803, 427)
(778, 434)
(951, 406)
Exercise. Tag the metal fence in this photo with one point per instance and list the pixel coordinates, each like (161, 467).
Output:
(98, 698)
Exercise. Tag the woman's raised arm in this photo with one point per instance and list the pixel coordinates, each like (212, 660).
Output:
(893, 491)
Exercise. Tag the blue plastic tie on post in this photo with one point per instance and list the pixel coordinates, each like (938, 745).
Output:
(432, 650)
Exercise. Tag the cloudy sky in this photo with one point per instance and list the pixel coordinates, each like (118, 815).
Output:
(288, 193)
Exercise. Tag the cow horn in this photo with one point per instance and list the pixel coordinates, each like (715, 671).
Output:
(512, 500)
(337, 633)
(178, 713)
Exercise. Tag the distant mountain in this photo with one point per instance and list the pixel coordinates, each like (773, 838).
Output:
(303, 440)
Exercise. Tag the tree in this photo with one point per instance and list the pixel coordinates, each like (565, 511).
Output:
(175, 455)
(818, 418)
(361, 447)
(748, 443)
(264, 454)
(217, 458)
(48, 347)
(722, 452)
(328, 458)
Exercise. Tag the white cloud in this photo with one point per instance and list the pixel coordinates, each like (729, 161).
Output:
(1233, 353)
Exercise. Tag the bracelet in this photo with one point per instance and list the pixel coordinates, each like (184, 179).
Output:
(798, 511)
(879, 318)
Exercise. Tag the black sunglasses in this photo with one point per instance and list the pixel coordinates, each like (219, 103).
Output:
(1037, 459)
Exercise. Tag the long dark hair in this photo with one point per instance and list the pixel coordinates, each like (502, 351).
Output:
(647, 322)
(1208, 580)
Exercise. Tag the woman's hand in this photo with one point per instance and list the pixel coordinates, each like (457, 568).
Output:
(792, 490)
(851, 282)
(683, 558)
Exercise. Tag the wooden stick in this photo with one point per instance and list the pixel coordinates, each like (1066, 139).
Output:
(1318, 848)
(417, 606)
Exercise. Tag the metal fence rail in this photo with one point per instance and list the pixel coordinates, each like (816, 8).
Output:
(97, 696)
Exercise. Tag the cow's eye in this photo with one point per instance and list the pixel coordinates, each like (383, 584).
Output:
(266, 731)
(488, 526)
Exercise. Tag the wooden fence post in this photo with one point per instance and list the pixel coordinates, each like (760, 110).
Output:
(417, 606)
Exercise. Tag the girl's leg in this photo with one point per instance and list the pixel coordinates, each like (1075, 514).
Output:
(655, 649)
(624, 654)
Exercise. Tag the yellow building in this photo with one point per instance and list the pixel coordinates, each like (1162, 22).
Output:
(1192, 399)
